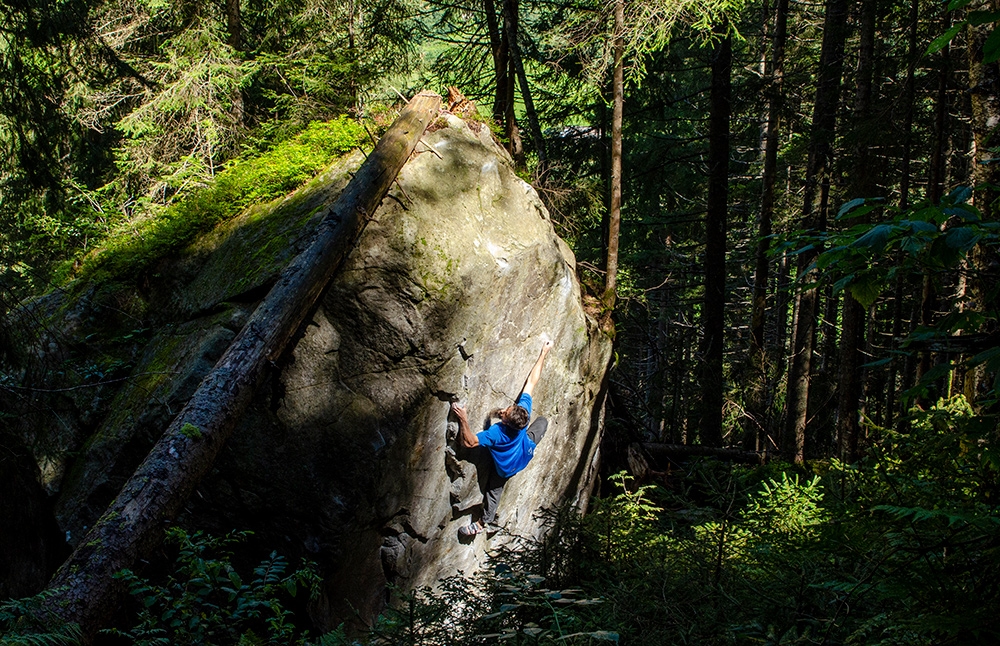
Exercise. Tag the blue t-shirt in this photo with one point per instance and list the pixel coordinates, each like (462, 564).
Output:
(511, 450)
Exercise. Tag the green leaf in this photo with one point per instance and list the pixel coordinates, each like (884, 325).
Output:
(912, 246)
(876, 238)
(866, 291)
(856, 202)
(942, 41)
(991, 48)
(961, 238)
(920, 226)
(938, 371)
(858, 212)
(957, 4)
(967, 212)
(842, 283)
(960, 194)
(878, 363)
(829, 257)
(985, 356)
(982, 17)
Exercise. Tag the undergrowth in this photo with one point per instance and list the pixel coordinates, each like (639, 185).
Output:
(902, 548)
(205, 600)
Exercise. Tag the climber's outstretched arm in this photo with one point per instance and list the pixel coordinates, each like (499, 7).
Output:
(465, 434)
(536, 370)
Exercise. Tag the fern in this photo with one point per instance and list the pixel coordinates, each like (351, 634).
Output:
(25, 622)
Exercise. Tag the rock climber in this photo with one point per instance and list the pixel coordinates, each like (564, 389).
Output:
(511, 443)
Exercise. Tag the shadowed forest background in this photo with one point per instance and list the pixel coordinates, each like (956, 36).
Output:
(785, 214)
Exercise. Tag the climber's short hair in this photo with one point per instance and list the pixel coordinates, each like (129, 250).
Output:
(515, 417)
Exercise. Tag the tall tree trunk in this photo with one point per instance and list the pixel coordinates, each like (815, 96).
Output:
(816, 185)
(935, 190)
(513, 133)
(501, 62)
(984, 90)
(760, 361)
(529, 104)
(614, 210)
(234, 25)
(713, 309)
(84, 590)
(904, 191)
(493, 29)
(852, 338)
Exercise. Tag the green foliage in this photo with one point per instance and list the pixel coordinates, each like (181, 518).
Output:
(204, 600)
(865, 258)
(926, 526)
(710, 570)
(251, 181)
(24, 622)
(900, 549)
(991, 46)
(113, 110)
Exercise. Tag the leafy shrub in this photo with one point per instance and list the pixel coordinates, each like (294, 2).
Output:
(206, 601)
(928, 504)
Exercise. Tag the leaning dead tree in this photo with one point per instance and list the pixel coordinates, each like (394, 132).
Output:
(132, 526)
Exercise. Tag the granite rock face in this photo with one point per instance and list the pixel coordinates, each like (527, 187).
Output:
(349, 455)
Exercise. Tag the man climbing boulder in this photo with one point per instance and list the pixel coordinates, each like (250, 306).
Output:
(511, 443)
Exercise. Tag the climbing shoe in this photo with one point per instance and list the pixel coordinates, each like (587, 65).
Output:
(472, 529)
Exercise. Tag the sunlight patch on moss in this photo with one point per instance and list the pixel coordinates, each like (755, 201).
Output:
(245, 182)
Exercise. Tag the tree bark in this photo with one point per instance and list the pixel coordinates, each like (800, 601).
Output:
(614, 210)
(849, 387)
(529, 108)
(501, 63)
(234, 24)
(769, 174)
(984, 91)
(493, 29)
(518, 64)
(713, 308)
(513, 133)
(759, 358)
(817, 180)
(904, 193)
(935, 191)
(83, 589)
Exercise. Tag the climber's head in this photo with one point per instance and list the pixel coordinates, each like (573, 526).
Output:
(514, 417)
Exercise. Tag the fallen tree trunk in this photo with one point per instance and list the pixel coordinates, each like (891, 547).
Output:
(132, 526)
(688, 451)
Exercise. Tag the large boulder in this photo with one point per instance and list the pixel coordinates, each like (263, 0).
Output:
(348, 455)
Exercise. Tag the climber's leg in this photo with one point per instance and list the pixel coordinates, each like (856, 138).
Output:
(536, 431)
(494, 488)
